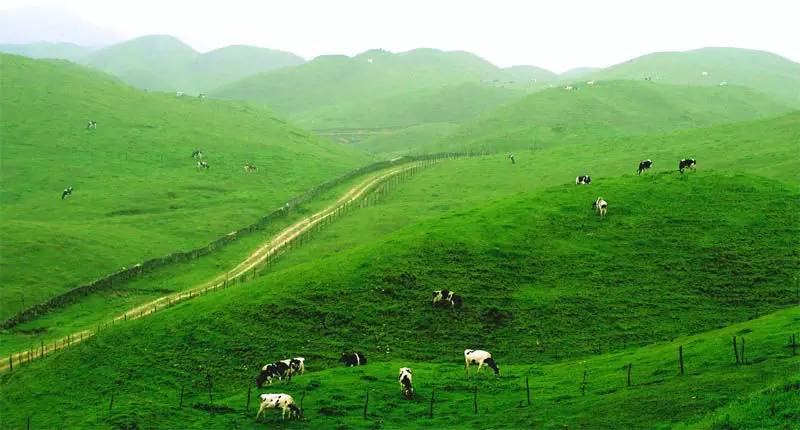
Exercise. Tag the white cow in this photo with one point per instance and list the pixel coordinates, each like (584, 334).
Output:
(283, 401)
(601, 206)
(405, 379)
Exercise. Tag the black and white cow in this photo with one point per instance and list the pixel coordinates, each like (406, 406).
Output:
(686, 163)
(283, 401)
(601, 206)
(296, 365)
(481, 358)
(583, 180)
(644, 165)
(441, 297)
(91, 124)
(197, 154)
(352, 359)
(405, 379)
(511, 157)
(250, 167)
(66, 193)
(202, 165)
(272, 371)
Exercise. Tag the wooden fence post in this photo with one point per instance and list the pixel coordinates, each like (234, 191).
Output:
(111, 403)
(680, 357)
(249, 388)
(794, 344)
(629, 373)
(180, 404)
(42, 354)
(366, 403)
(583, 384)
(10, 363)
(744, 361)
(28, 423)
(735, 350)
(528, 390)
(433, 393)
(475, 400)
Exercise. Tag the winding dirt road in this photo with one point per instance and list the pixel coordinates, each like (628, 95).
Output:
(262, 253)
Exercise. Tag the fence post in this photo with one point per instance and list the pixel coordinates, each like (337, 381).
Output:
(629, 373)
(583, 384)
(366, 403)
(680, 357)
(28, 423)
(794, 344)
(10, 363)
(475, 400)
(111, 403)
(42, 348)
(180, 405)
(249, 388)
(735, 350)
(528, 390)
(433, 393)
(742, 355)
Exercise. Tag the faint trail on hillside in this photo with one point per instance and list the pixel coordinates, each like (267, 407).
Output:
(269, 249)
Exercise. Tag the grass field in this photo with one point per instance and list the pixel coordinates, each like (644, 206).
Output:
(138, 192)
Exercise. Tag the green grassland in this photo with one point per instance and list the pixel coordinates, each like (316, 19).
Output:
(138, 193)
(765, 72)
(64, 51)
(550, 289)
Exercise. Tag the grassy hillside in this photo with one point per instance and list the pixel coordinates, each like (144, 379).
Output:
(65, 51)
(138, 193)
(164, 63)
(759, 70)
(608, 109)
(405, 140)
(381, 89)
(544, 280)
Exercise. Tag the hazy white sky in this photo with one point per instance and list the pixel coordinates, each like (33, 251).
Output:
(555, 34)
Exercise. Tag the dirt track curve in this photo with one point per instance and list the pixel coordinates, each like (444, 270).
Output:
(266, 250)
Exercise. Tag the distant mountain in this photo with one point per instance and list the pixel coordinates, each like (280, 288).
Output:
(165, 63)
(763, 71)
(378, 88)
(40, 24)
(66, 51)
(525, 74)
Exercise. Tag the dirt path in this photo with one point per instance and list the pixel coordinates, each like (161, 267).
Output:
(269, 248)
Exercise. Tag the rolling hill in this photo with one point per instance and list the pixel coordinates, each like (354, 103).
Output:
(381, 89)
(610, 108)
(64, 51)
(164, 63)
(138, 193)
(765, 72)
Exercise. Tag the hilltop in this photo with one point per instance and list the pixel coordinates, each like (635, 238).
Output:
(382, 89)
(763, 71)
(138, 192)
(65, 51)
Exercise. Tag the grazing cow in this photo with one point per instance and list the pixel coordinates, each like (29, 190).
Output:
(644, 165)
(569, 87)
(481, 358)
(447, 297)
(91, 124)
(201, 96)
(66, 193)
(197, 154)
(283, 401)
(202, 165)
(704, 73)
(178, 93)
(511, 157)
(353, 359)
(583, 180)
(723, 83)
(296, 365)
(648, 78)
(272, 371)
(686, 163)
(405, 380)
(249, 167)
(590, 83)
(601, 206)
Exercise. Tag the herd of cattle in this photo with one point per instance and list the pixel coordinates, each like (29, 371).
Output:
(286, 369)
(601, 206)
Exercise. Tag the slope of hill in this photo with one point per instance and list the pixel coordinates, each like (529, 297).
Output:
(381, 89)
(610, 108)
(528, 299)
(763, 71)
(65, 51)
(578, 72)
(138, 193)
(164, 63)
